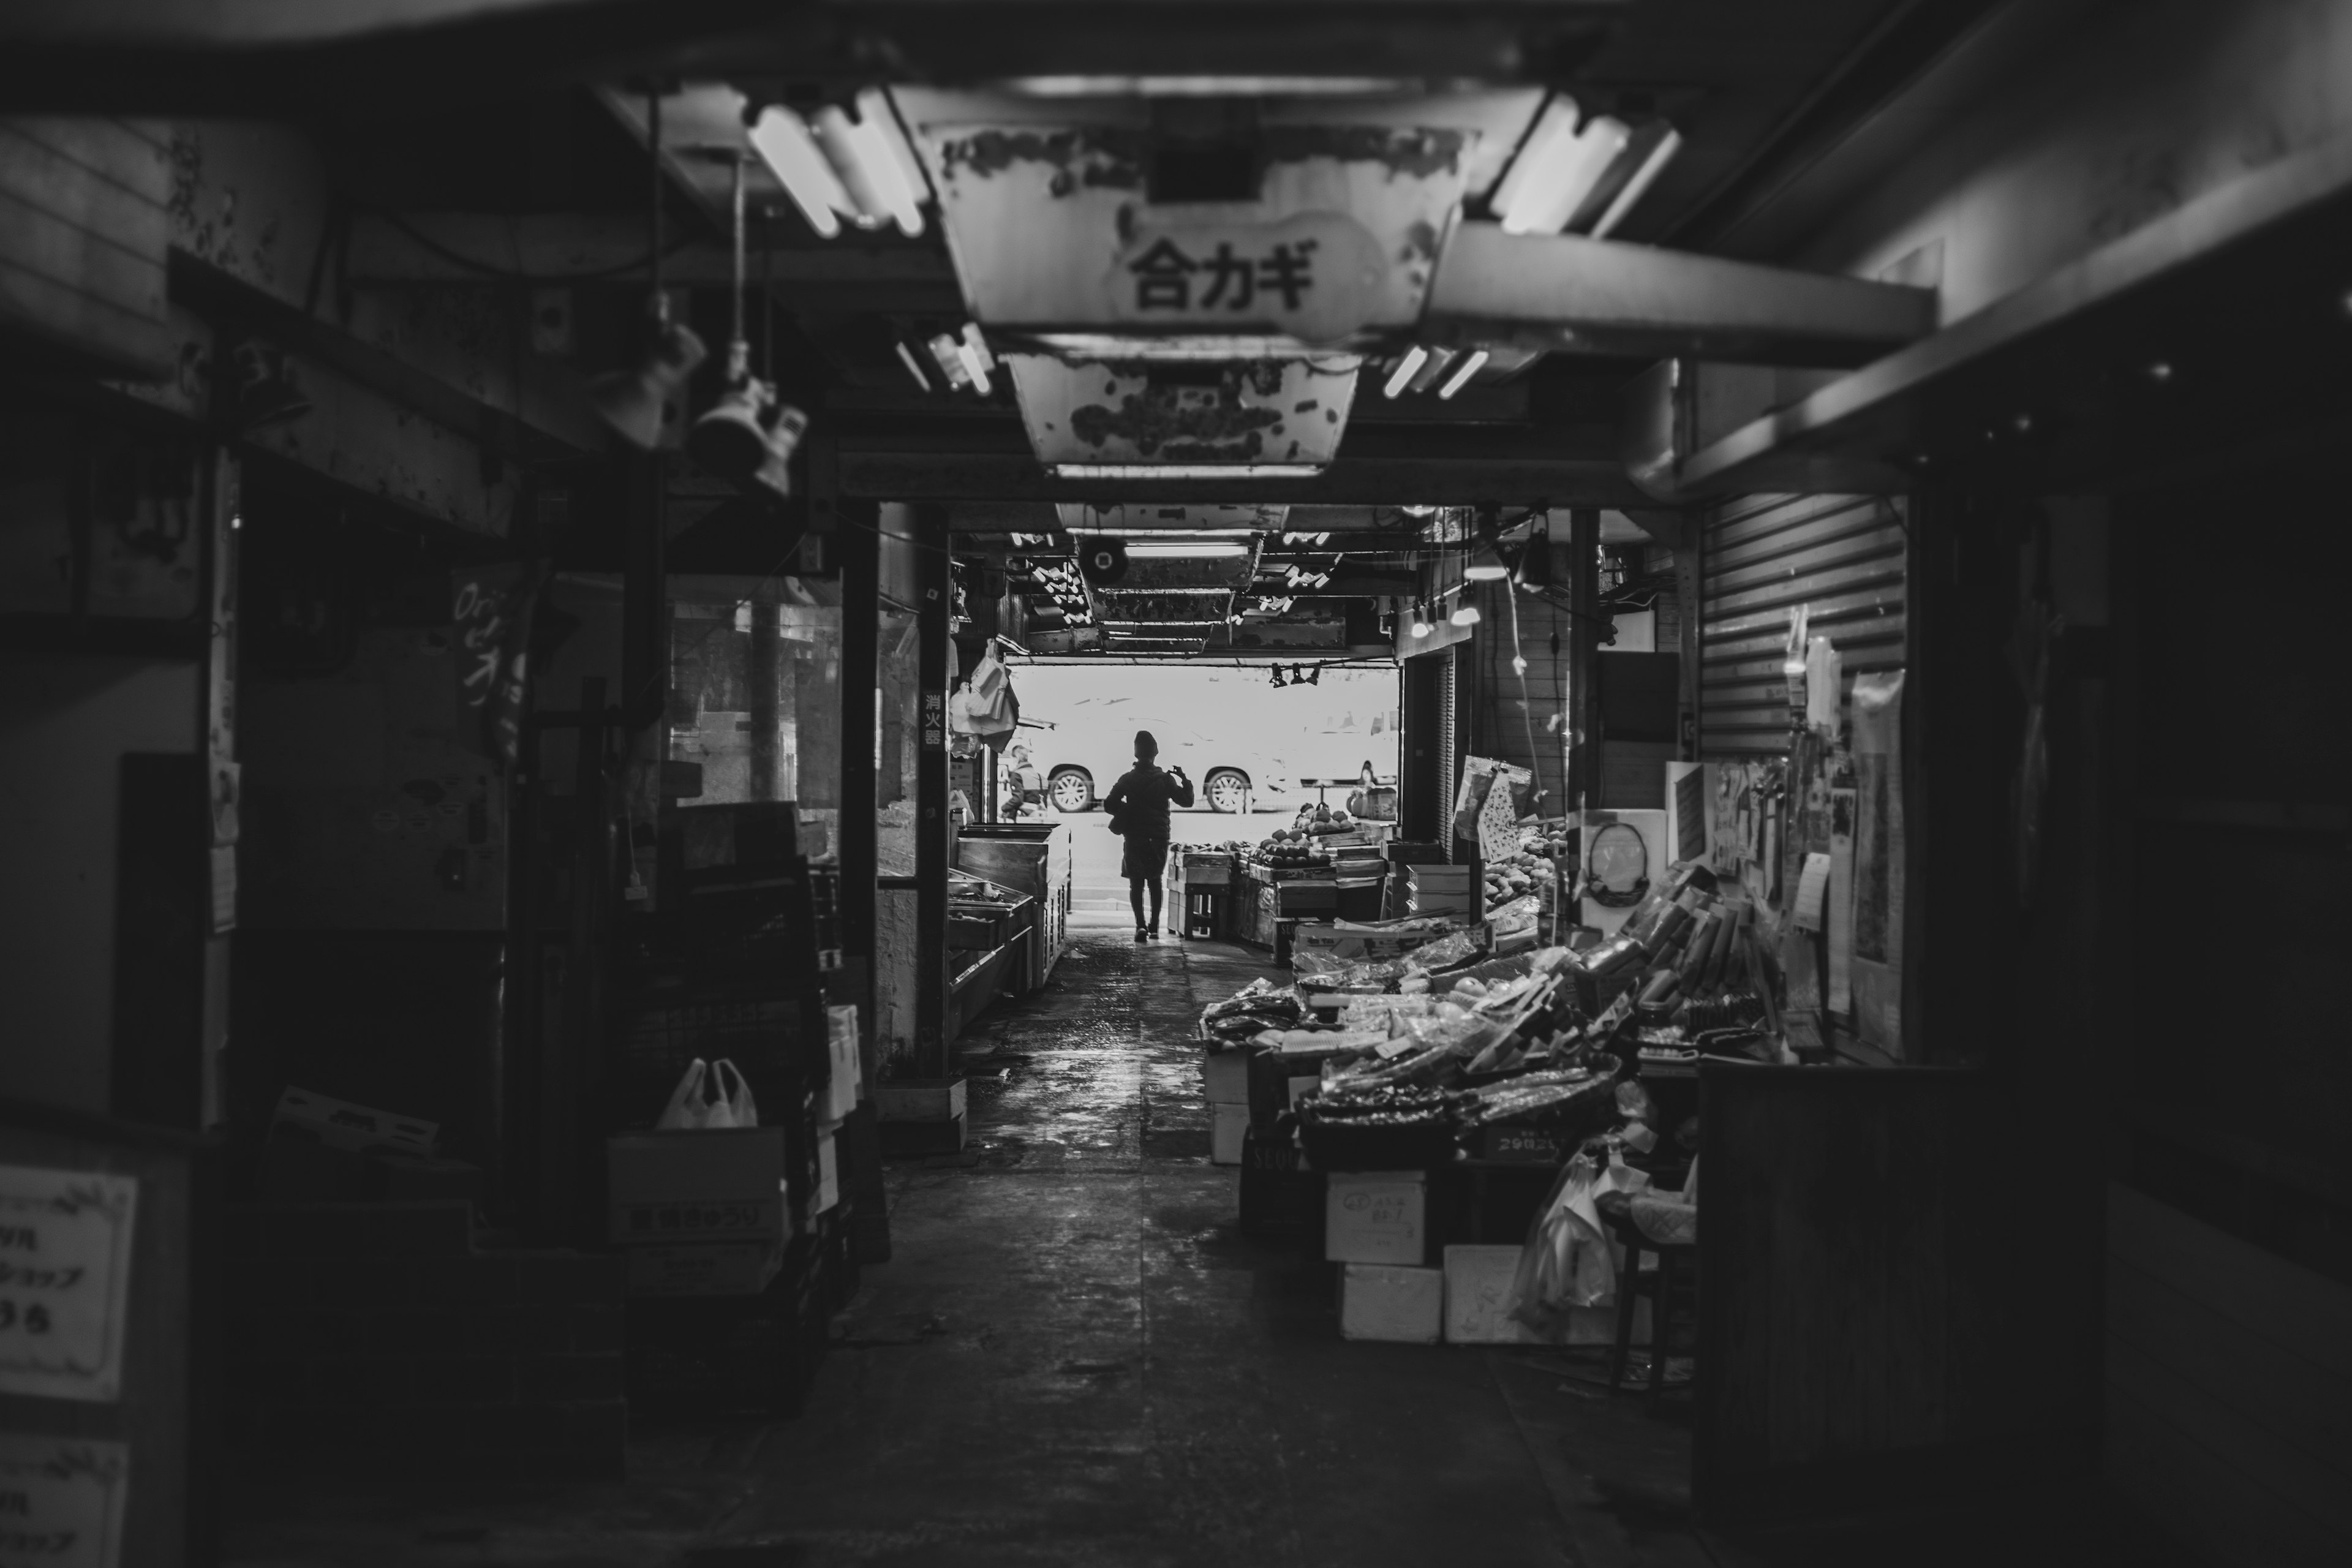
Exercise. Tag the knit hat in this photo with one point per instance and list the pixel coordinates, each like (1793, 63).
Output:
(1146, 748)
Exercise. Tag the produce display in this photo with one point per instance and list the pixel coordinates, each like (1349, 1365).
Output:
(1291, 849)
(1323, 820)
(1528, 870)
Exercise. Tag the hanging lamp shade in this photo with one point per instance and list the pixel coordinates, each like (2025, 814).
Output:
(636, 402)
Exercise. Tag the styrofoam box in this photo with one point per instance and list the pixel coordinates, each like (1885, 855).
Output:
(1376, 1216)
(1228, 1126)
(920, 1099)
(1226, 1076)
(1381, 1303)
(1479, 1297)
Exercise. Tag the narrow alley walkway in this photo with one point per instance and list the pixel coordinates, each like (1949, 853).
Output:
(1074, 1356)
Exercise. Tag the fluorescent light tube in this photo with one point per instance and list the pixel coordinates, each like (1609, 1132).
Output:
(1461, 376)
(1557, 169)
(1196, 550)
(1433, 369)
(907, 358)
(1652, 167)
(1186, 471)
(1403, 376)
(836, 135)
(902, 174)
(977, 371)
(979, 345)
(783, 144)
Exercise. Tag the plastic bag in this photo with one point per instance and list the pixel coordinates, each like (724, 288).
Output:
(689, 1110)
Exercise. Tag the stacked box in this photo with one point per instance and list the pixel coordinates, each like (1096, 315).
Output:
(1402, 1305)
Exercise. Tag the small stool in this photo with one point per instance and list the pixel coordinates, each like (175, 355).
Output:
(1676, 1275)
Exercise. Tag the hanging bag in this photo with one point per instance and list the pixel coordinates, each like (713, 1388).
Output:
(703, 1102)
(684, 1110)
(731, 1107)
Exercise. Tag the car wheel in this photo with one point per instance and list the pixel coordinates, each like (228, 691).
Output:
(1072, 790)
(1227, 789)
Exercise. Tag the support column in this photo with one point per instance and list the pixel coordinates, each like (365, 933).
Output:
(857, 541)
(931, 850)
(1584, 664)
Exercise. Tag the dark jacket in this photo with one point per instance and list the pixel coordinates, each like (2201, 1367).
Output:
(1141, 798)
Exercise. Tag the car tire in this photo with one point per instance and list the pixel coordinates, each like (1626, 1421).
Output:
(1226, 789)
(1071, 790)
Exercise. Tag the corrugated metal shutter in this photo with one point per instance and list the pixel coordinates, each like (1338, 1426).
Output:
(1762, 556)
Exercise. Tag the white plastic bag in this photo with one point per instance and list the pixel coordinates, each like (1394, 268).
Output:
(690, 1111)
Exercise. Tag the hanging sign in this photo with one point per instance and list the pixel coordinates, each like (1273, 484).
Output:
(61, 1500)
(1316, 276)
(935, 722)
(65, 1273)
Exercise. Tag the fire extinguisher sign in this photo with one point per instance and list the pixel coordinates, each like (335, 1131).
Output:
(935, 722)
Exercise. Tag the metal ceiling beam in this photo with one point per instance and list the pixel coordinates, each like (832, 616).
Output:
(1598, 296)
(2058, 380)
(1599, 481)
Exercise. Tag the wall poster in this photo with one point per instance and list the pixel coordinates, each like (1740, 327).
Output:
(61, 1500)
(65, 1275)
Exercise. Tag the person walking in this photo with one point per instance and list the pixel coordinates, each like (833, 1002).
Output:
(1139, 807)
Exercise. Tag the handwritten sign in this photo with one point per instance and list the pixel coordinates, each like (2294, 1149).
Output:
(491, 611)
(1316, 276)
(65, 1271)
(61, 1500)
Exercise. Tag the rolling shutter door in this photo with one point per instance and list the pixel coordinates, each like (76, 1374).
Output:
(1762, 556)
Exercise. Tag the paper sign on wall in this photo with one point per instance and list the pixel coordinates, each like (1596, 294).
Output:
(63, 1500)
(65, 1275)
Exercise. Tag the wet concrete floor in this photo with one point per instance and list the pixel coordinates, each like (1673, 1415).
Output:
(1074, 1357)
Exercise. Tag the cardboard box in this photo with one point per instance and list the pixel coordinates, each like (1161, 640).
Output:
(704, 1268)
(1376, 1216)
(1227, 1126)
(1404, 1306)
(1479, 1297)
(672, 1187)
(919, 1099)
(1315, 898)
(1226, 1075)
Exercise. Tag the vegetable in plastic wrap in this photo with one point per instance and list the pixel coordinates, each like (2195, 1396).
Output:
(1633, 1103)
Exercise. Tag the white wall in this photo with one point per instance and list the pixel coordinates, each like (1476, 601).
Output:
(66, 721)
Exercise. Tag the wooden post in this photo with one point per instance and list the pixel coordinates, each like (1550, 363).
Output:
(931, 576)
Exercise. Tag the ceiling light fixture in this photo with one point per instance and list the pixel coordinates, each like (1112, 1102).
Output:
(782, 140)
(1465, 614)
(1406, 368)
(1420, 627)
(854, 167)
(1461, 374)
(1184, 550)
(1560, 164)
(1433, 369)
(1185, 470)
(914, 366)
(952, 358)
(1485, 566)
(1654, 163)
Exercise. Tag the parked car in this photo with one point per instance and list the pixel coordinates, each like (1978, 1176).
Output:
(1082, 761)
